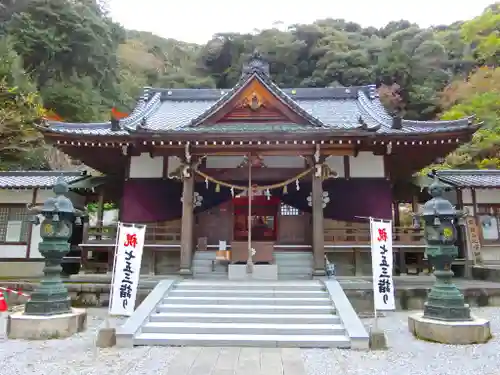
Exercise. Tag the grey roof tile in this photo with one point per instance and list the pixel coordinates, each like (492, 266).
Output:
(97, 129)
(339, 108)
(37, 179)
(477, 178)
(174, 114)
(342, 113)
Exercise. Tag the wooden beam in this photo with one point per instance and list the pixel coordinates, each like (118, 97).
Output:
(165, 166)
(347, 167)
(30, 228)
(338, 151)
(474, 201)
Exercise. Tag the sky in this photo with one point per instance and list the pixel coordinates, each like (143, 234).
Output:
(197, 20)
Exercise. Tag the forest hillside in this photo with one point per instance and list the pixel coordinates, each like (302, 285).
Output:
(67, 58)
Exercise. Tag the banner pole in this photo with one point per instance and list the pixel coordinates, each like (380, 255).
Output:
(118, 230)
(378, 339)
(375, 316)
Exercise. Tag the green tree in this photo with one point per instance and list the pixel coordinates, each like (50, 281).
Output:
(480, 96)
(483, 33)
(19, 111)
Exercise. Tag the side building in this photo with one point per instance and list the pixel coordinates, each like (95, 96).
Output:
(19, 238)
(478, 191)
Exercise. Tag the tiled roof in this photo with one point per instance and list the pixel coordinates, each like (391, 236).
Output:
(339, 108)
(474, 178)
(37, 179)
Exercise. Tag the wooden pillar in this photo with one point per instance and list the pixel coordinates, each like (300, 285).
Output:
(318, 226)
(30, 228)
(414, 203)
(187, 225)
(397, 216)
(474, 202)
(100, 213)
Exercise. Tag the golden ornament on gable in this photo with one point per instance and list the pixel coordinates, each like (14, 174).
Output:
(254, 101)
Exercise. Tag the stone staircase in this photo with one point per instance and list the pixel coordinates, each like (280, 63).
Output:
(204, 269)
(225, 313)
(291, 265)
(294, 265)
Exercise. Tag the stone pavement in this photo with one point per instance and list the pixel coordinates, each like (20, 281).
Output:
(406, 355)
(237, 361)
(79, 356)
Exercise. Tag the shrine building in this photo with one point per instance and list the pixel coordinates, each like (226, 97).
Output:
(316, 162)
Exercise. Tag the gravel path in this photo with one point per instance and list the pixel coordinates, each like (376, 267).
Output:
(410, 356)
(79, 356)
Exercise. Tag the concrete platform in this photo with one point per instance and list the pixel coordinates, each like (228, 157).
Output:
(32, 327)
(477, 331)
(268, 272)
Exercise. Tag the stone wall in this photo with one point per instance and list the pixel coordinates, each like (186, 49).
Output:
(407, 297)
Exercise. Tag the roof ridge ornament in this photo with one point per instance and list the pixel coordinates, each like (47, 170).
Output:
(256, 64)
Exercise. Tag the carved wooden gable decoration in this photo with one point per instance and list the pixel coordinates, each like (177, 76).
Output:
(255, 103)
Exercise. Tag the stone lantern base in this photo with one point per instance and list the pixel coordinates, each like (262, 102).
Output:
(37, 327)
(474, 331)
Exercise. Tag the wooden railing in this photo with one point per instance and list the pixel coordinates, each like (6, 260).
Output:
(344, 233)
(156, 233)
(98, 244)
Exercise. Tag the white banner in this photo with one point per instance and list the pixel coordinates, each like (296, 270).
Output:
(126, 269)
(382, 264)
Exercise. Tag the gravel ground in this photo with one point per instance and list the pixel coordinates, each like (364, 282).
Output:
(79, 356)
(410, 356)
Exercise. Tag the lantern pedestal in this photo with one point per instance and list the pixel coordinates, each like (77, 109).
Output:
(446, 317)
(48, 313)
(37, 327)
(445, 301)
(51, 296)
(474, 331)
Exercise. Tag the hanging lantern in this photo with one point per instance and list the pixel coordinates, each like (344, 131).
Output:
(206, 183)
(297, 186)
(285, 189)
(217, 188)
(232, 191)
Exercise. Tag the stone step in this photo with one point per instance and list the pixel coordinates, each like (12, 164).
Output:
(223, 300)
(248, 293)
(213, 276)
(232, 328)
(206, 254)
(294, 270)
(292, 255)
(246, 308)
(294, 262)
(297, 262)
(262, 341)
(253, 285)
(245, 318)
(287, 277)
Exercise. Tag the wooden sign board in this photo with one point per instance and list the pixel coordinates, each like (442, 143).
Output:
(474, 239)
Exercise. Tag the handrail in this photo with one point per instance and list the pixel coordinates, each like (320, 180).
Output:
(344, 235)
